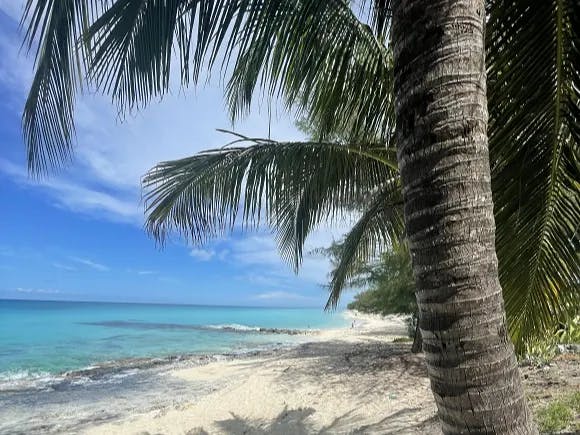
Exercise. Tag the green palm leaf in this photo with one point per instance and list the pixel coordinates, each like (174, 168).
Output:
(293, 53)
(285, 48)
(291, 187)
(533, 98)
(380, 224)
(48, 118)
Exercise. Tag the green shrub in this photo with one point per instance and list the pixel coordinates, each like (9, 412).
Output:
(541, 351)
(544, 349)
(569, 332)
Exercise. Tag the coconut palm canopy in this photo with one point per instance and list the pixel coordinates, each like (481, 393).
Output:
(329, 61)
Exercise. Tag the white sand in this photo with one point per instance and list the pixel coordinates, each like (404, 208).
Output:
(352, 380)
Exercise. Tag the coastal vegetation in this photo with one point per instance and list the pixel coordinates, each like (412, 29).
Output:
(349, 80)
(385, 286)
(389, 285)
(559, 414)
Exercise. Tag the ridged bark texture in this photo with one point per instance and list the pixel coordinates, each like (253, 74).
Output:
(440, 85)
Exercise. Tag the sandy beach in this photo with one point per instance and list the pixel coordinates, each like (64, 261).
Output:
(352, 380)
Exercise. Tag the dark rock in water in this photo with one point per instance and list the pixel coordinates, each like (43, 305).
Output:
(111, 367)
(285, 331)
(260, 330)
(177, 326)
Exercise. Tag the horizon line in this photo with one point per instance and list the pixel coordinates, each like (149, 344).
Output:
(167, 304)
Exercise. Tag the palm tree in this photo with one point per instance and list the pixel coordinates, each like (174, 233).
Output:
(328, 64)
(537, 240)
(442, 150)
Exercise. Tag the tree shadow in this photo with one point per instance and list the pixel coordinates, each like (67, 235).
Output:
(297, 422)
(328, 364)
(288, 421)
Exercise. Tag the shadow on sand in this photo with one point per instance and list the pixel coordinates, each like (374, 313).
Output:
(296, 422)
(369, 369)
(327, 366)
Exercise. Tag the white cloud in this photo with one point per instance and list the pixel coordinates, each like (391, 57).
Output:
(78, 198)
(169, 280)
(64, 266)
(267, 279)
(256, 250)
(5, 251)
(92, 264)
(282, 295)
(202, 254)
(261, 251)
(37, 290)
(146, 272)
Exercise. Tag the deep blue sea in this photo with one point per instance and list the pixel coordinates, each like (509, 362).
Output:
(39, 339)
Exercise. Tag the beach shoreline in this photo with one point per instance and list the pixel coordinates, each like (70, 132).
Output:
(359, 379)
(304, 387)
(341, 380)
(25, 380)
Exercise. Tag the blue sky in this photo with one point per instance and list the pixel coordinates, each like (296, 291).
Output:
(78, 235)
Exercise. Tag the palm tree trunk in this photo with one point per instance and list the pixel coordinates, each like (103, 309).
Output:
(440, 85)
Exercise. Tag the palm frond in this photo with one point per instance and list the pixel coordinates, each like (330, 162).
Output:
(55, 27)
(133, 42)
(379, 14)
(382, 14)
(286, 48)
(292, 53)
(291, 187)
(533, 98)
(379, 226)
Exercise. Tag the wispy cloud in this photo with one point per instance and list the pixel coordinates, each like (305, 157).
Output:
(79, 198)
(256, 250)
(260, 251)
(64, 266)
(7, 252)
(37, 290)
(92, 264)
(202, 254)
(142, 271)
(283, 296)
(113, 154)
(169, 280)
(268, 279)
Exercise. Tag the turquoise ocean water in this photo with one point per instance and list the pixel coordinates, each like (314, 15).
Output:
(39, 338)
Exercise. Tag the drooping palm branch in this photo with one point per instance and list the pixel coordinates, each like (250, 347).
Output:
(323, 61)
(290, 187)
(379, 227)
(534, 89)
(60, 61)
